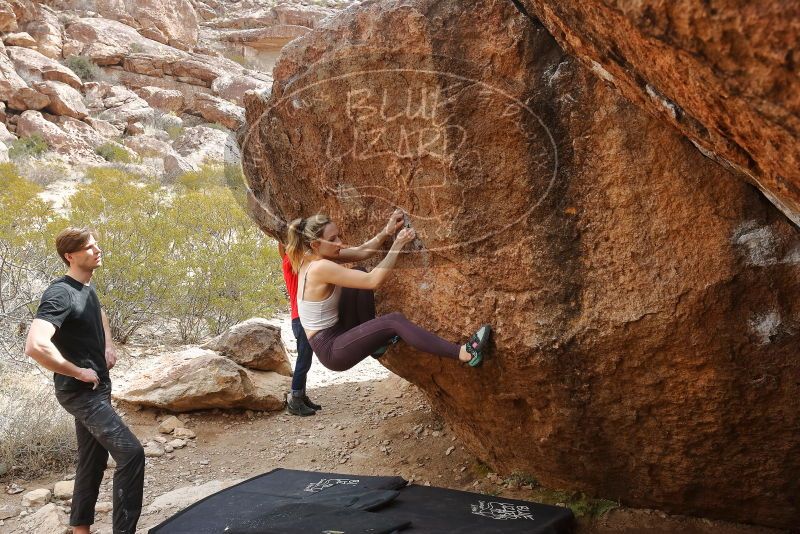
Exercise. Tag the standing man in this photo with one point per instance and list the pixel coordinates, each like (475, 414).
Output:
(297, 402)
(71, 337)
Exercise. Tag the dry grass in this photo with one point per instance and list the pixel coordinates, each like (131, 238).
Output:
(36, 435)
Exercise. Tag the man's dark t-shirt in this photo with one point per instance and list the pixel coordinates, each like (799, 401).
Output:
(74, 309)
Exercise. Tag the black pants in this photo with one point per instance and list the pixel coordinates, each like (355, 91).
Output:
(101, 431)
(304, 356)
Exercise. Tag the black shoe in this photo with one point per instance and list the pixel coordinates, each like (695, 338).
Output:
(296, 406)
(313, 405)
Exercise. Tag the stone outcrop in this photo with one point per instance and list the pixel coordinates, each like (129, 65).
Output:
(123, 106)
(33, 66)
(176, 20)
(47, 31)
(197, 379)
(644, 298)
(165, 99)
(723, 73)
(255, 343)
(233, 88)
(63, 99)
(218, 110)
(200, 144)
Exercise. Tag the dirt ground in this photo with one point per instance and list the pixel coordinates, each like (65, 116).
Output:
(372, 423)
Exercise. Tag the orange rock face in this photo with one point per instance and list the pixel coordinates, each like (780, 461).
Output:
(724, 73)
(645, 300)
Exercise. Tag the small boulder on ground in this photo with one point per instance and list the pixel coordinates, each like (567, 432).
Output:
(254, 343)
(63, 490)
(169, 424)
(197, 379)
(184, 433)
(8, 511)
(47, 520)
(37, 497)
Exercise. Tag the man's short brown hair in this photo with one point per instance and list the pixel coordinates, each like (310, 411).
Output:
(72, 240)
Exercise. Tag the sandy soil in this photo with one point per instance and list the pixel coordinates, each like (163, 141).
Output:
(372, 423)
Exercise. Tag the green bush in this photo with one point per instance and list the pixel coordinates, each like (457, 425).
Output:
(113, 152)
(28, 147)
(193, 257)
(174, 132)
(83, 67)
(27, 262)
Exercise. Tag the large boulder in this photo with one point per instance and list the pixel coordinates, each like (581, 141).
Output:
(8, 19)
(68, 143)
(28, 98)
(175, 19)
(723, 73)
(197, 379)
(255, 343)
(33, 66)
(47, 31)
(108, 42)
(64, 100)
(123, 107)
(202, 144)
(160, 98)
(233, 88)
(645, 300)
(218, 110)
(10, 81)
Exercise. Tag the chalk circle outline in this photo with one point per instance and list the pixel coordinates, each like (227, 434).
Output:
(288, 98)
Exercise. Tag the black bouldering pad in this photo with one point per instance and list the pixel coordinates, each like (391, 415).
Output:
(255, 498)
(439, 510)
(288, 501)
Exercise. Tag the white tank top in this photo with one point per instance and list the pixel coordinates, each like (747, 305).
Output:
(321, 314)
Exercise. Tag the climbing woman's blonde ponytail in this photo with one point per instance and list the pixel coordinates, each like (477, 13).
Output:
(300, 234)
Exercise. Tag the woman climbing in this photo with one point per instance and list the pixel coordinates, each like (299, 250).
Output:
(337, 306)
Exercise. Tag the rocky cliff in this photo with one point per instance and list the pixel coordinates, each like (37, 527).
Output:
(160, 82)
(645, 298)
(723, 73)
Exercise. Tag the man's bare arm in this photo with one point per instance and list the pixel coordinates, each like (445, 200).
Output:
(40, 347)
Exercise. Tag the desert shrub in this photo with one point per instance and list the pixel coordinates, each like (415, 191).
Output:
(27, 226)
(129, 217)
(174, 132)
(41, 172)
(83, 67)
(36, 434)
(209, 175)
(230, 269)
(28, 147)
(194, 256)
(113, 152)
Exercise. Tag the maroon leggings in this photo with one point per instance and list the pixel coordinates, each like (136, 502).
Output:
(358, 333)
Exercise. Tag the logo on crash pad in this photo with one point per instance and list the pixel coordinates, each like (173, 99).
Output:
(501, 510)
(325, 483)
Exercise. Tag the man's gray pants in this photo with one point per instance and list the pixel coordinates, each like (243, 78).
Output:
(101, 431)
